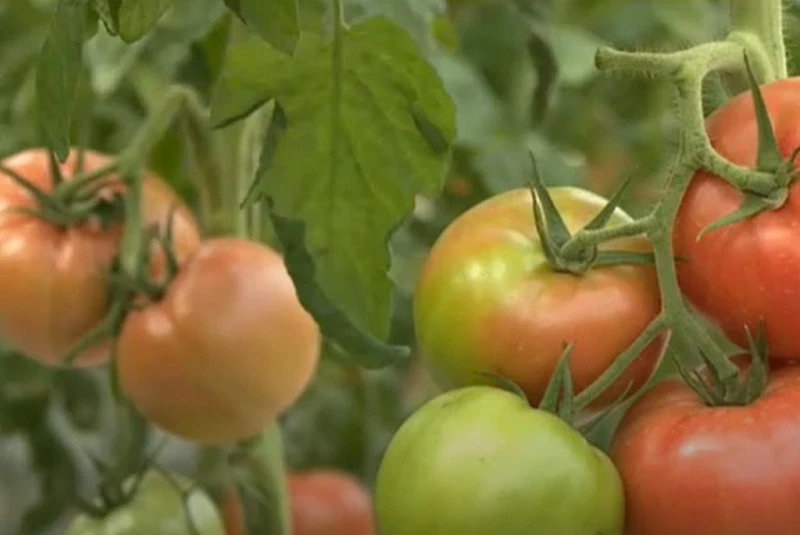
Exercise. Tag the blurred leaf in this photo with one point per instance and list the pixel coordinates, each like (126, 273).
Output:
(58, 71)
(134, 18)
(109, 60)
(276, 21)
(574, 51)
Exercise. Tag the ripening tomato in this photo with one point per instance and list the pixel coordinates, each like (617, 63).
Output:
(53, 279)
(746, 271)
(157, 508)
(487, 300)
(226, 349)
(697, 470)
(479, 460)
(329, 502)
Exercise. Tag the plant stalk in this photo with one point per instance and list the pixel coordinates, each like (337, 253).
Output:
(758, 25)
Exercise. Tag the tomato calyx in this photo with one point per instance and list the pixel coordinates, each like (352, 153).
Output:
(576, 254)
(769, 160)
(71, 202)
(746, 387)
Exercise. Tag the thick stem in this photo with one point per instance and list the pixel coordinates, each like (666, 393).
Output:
(758, 25)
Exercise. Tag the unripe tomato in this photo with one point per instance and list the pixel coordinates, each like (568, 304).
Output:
(487, 300)
(158, 508)
(226, 349)
(329, 502)
(479, 460)
(691, 469)
(53, 280)
(745, 272)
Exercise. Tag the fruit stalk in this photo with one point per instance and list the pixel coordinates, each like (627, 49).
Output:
(758, 25)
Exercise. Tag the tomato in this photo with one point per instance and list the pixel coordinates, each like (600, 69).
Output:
(329, 502)
(226, 349)
(697, 470)
(487, 300)
(479, 460)
(157, 508)
(54, 280)
(746, 271)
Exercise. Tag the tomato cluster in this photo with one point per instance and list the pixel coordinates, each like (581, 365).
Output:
(490, 302)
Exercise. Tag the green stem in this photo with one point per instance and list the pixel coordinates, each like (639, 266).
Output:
(622, 362)
(758, 25)
(585, 238)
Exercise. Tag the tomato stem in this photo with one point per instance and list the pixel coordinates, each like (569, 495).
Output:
(758, 26)
(587, 237)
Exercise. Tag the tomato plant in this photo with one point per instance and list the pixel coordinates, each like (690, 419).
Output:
(721, 470)
(55, 275)
(479, 460)
(742, 273)
(488, 274)
(225, 350)
(166, 505)
(329, 502)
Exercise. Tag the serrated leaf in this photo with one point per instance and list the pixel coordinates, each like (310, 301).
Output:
(353, 158)
(251, 76)
(58, 71)
(276, 21)
(359, 346)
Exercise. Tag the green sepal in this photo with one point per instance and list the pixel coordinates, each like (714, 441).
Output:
(604, 216)
(559, 396)
(554, 231)
(752, 205)
(614, 258)
(695, 381)
(601, 417)
(758, 375)
(505, 383)
(769, 155)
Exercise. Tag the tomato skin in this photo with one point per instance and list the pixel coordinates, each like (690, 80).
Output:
(479, 460)
(487, 274)
(157, 508)
(227, 348)
(745, 271)
(329, 502)
(698, 470)
(54, 280)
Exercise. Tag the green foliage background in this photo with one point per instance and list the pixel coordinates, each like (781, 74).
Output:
(493, 58)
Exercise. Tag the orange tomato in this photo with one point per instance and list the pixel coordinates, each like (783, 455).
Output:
(53, 279)
(329, 502)
(226, 349)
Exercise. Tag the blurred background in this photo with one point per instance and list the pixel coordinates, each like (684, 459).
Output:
(494, 56)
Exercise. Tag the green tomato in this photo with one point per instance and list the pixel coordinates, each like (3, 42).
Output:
(479, 460)
(158, 508)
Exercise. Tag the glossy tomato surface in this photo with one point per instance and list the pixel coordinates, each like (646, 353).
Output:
(487, 300)
(697, 470)
(54, 280)
(227, 348)
(158, 508)
(746, 271)
(479, 460)
(329, 502)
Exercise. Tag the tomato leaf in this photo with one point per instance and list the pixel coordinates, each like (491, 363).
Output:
(134, 18)
(276, 21)
(58, 71)
(365, 349)
(355, 153)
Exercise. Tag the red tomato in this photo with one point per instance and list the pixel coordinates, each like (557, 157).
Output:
(53, 280)
(226, 349)
(329, 502)
(487, 300)
(746, 271)
(691, 469)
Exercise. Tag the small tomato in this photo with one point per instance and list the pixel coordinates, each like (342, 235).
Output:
(329, 502)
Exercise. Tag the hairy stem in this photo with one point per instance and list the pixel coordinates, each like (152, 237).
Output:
(585, 238)
(758, 25)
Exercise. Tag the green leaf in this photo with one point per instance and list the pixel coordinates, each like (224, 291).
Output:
(276, 21)
(364, 349)
(135, 18)
(353, 157)
(252, 74)
(58, 71)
